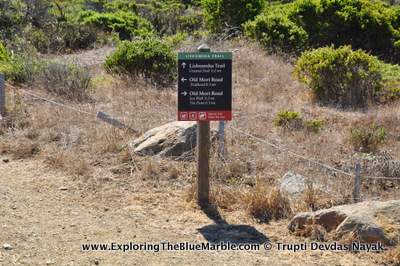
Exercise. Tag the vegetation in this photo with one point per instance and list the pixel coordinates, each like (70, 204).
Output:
(367, 139)
(288, 119)
(369, 25)
(345, 52)
(315, 126)
(341, 77)
(228, 14)
(65, 79)
(149, 57)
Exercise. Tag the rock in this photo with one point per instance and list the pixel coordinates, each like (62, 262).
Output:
(295, 185)
(7, 246)
(6, 160)
(372, 221)
(172, 139)
(63, 188)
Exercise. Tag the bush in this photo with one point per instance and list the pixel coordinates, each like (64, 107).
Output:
(369, 25)
(367, 139)
(277, 31)
(4, 55)
(65, 79)
(11, 17)
(340, 76)
(126, 24)
(17, 68)
(150, 57)
(288, 119)
(363, 24)
(222, 14)
(315, 126)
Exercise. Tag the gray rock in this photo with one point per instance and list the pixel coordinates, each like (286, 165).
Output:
(172, 139)
(372, 221)
(293, 184)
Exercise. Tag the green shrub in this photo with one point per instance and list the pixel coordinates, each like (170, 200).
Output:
(11, 17)
(363, 24)
(126, 24)
(149, 57)
(17, 68)
(288, 119)
(315, 126)
(367, 139)
(65, 79)
(222, 14)
(340, 76)
(391, 78)
(277, 31)
(4, 55)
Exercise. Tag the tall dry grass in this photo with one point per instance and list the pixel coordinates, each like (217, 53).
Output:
(263, 86)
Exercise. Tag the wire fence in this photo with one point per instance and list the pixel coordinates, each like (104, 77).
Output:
(240, 131)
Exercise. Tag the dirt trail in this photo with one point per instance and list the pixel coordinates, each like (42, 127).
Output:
(46, 215)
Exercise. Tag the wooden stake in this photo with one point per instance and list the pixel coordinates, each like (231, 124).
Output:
(357, 183)
(203, 154)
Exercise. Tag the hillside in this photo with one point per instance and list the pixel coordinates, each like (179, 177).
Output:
(114, 196)
(315, 91)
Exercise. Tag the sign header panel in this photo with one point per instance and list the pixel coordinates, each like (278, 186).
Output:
(204, 86)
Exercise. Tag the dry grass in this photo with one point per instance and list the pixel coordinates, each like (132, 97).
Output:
(245, 178)
(265, 203)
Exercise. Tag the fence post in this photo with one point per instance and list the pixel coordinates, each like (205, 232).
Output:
(203, 154)
(357, 183)
(221, 137)
(2, 96)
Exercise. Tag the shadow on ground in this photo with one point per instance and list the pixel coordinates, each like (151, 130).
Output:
(221, 231)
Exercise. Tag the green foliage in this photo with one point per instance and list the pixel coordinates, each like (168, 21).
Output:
(171, 17)
(17, 68)
(65, 79)
(391, 77)
(11, 17)
(149, 57)
(177, 39)
(315, 126)
(288, 119)
(367, 139)
(222, 14)
(340, 76)
(126, 24)
(363, 24)
(369, 25)
(275, 30)
(4, 55)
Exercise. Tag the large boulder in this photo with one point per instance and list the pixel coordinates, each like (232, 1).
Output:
(371, 221)
(172, 139)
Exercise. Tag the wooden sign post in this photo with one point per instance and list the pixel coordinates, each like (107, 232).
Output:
(204, 95)
(203, 155)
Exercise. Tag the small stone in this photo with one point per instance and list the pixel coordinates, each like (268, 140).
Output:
(106, 208)
(63, 188)
(7, 246)
(49, 262)
(6, 160)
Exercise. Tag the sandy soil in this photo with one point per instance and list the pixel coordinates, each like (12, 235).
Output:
(46, 216)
